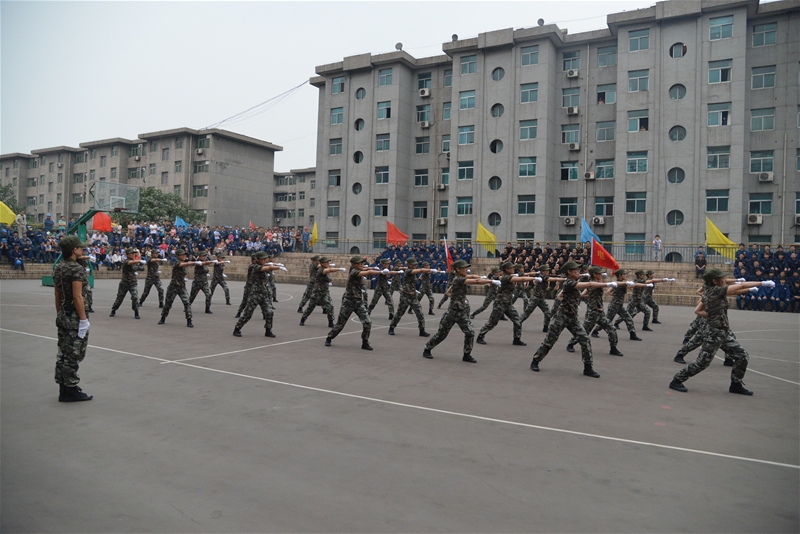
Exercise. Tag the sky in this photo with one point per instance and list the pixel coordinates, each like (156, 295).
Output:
(73, 72)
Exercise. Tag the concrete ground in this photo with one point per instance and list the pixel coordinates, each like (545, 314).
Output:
(194, 430)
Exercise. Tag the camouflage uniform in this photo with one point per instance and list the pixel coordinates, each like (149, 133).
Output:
(636, 304)
(71, 348)
(450, 277)
(567, 317)
(491, 294)
(86, 288)
(538, 300)
(177, 288)
(595, 316)
(312, 275)
(408, 299)
(219, 280)
(151, 280)
(353, 302)
(617, 307)
(647, 298)
(259, 296)
(503, 306)
(425, 289)
(200, 283)
(321, 296)
(127, 285)
(272, 291)
(382, 289)
(397, 279)
(457, 313)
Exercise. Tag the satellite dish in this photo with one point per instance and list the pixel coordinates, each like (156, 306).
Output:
(455, 37)
(540, 22)
(398, 46)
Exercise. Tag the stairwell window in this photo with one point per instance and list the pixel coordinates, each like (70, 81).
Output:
(639, 40)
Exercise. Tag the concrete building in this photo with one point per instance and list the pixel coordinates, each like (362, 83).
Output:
(226, 176)
(293, 198)
(673, 113)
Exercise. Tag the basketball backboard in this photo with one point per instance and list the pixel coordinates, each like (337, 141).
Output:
(113, 196)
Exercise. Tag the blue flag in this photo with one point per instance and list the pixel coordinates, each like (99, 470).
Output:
(586, 233)
(180, 222)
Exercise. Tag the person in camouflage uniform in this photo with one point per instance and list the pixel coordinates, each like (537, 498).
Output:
(647, 296)
(354, 303)
(200, 281)
(617, 303)
(446, 295)
(458, 311)
(408, 297)
(714, 307)
(273, 291)
(73, 325)
(397, 279)
(219, 280)
(425, 289)
(312, 275)
(567, 317)
(246, 292)
(595, 314)
(383, 288)
(153, 278)
(491, 292)
(694, 338)
(321, 295)
(636, 304)
(177, 288)
(128, 282)
(539, 298)
(520, 290)
(503, 304)
(259, 294)
(88, 297)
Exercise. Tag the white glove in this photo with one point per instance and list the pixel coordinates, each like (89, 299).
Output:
(135, 274)
(753, 290)
(768, 283)
(586, 275)
(516, 274)
(282, 268)
(270, 263)
(143, 262)
(740, 280)
(223, 275)
(215, 261)
(227, 261)
(198, 263)
(83, 328)
(605, 274)
(389, 282)
(417, 292)
(434, 270)
(666, 279)
(186, 280)
(469, 271)
(497, 283)
(650, 285)
(537, 278)
(87, 270)
(342, 269)
(208, 275)
(401, 272)
(611, 284)
(673, 279)
(159, 272)
(385, 271)
(333, 265)
(629, 283)
(330, 283)
(483, 277)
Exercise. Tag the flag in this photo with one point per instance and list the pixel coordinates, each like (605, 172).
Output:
(180, 222)
(253, 226)
(717, 240)
(314, 237)
(394, 236)
(6, 215)
(447, 255)
(586, 233)
(601, 257)
(486, 239)
(101, 222)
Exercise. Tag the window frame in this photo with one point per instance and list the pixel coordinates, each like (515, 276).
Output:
(762, 118)
(720, 154)
(469, 64)
(568, 206)
(765, 76)
(526, 205)
(721, 113)
(385, 77)
(642, 79)
(639, 40)
(524, 167)
(605, 127)
(528, 90)
(723, 26)
(606, 52)
(637, 203)
(764, 33)
(723, 69)
(466, 135)
(637, 158)
(466, 170)
(765, 160)
(464, 206)
(718, 199)
(529, 55)
(528, 128)
(604, 164)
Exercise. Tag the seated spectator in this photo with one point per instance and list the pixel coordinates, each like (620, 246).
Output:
(782, 297)
(700, 264)
(17, 258)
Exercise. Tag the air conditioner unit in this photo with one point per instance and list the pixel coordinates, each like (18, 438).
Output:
(441, 222)
(572, 73)
(755, 218)
(425, 124)
(569, 221)
(424, 92)
(199, 151)
(766, 177)
(797, 220)
(572, 110)
(598, 221)
(574, 146)
(447, 154)
(136, 158)
(59, 165)
(588, 176)
(441, 187)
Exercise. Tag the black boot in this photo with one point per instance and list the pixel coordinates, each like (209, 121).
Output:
(595, 334)
(738, 387)
(430, 312)
(469, 359)
(570, 347)
(545, 329)
(136, 315)
(423, 333)
(480, 340)
(268, 333)
(160, 304)
(535, 365)
(391, 316)
(330, 323)
(588, 371)
(237, 332)
(238, 314)
(208, 309)
(227, 302)
(646, 328)
(655, 321)
(365, 345)
(327, 342)
(616, 326)
(391, 330)
(678, 386)
(189, 323)
(302, 321)
(427, 354)
(90, 309)
(75, 394)
(299, 309)
(274, 299)
(634, 337)
(61, 393)
(614, 351)
(727, 362)
(163, 319)
(518, 342)
(113, 313)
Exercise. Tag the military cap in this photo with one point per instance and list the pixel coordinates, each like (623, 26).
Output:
(323, 259)
(70, 243)
(398, 262)
(220, 255)
(495, 269)
(261, 255)
(356, 259)
(130, 251)
(649, 272)
(180, 252)
(570, 265)
(384, 261)
(595, 270)
(460, 264)
(315, 258)
(640, 271)
(411, 261)
(544, 268)
(506, 265)
(713, 274)
(426, 262)
(620, 272)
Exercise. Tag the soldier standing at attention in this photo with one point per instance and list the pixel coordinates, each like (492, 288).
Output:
(321, 295)
(425, 286)
(458, 312)
(177, 288)
(408, 297)
(446, 295)
(617, 302)
(714, 307)
(595, 314)
(383, 288)
(219, 279)
(354, 302)
(567, 317)
(83, 261)
(491, 292)
(503, 305)
(246, 293)
(200, 281)
(312, 275)
(128, 282)
(71, 320)
(259, 294)
(538, 300)
(153, 278)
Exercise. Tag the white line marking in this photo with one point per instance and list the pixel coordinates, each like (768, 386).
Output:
(90, 346)
(752, 331)
(28, 305)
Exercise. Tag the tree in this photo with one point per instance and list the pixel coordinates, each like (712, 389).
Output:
(155, 205)
(9, 197)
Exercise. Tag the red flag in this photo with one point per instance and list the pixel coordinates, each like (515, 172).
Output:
(101, 222)
(447, 255)
(394, 236)
(252, 226)
(602, 258)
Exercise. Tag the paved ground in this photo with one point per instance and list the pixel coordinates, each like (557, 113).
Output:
(198, 431)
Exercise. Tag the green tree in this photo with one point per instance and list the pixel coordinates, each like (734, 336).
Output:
(155, 205)
(9, 198)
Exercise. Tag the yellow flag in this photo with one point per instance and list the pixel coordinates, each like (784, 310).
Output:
(314, 237)
(717, 240)
(6, 215)
(486, 239)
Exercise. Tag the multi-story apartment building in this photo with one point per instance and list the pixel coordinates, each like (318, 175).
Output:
(226, 176)
(294, 201)
(674, 113)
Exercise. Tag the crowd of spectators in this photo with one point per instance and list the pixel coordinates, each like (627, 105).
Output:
(761, 263)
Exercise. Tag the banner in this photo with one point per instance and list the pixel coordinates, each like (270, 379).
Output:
(180, 223)
(314, 237)
(717, 240)
(486, 239)
(447, 255)
(252, 226)
(601, 257)
(6, 215)
(101, 222)
(587, 235)
(394, 236)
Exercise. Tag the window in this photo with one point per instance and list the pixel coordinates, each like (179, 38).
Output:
(761, 161)
(606, 130)
(469, 64)
(359, 125)
(360, 94)
(381, 207)
(312, 202)
(152, 169)
(677, 51)
(113, 173)
(49, 187)
(333, 208)
(114, 153)
(607, 94)
(720, 71)
(203, 142)
(638, 40)
(719, 157)
(445, 175)
(495, 219)
(527, 129)
(496, 146)
(634, 243)
(568, 207)
(721, 28)
(178, 144)
(527, 167)
(76, 158)
(677, 133)
(199, 191)
(337, 86)
(312, 184)
(58, 198)
(164, 156)
(569, 170)
(604, 169)
(336, 146)
(675, 175)
(337, 115)
(153, 147)
(421, 210)
(571, 60)
(638, 121)
(424, 81)
(677, 92)
(382, 175)
(301, 212)
(530, 55)
(762, 119)
(102, 161)
(636, 162)
(529, 92)
(716, 200)
(638, 80)
(358, 156)
(77, 198)
(466, 170)
(797, 202)
(448, 77)
(607, 56)
(526, 204)
(463, 205)
(423, 145)
(382, 142)
(604, 206)
(384, 110)
(446, 111)
(635, 202)
(763, 77)
(760, 203)
(164, 178)
(421, 178)
(495, 183)
(302, 195)
(446, 143)
(466, 135)
(570, 133)
(77, 178)
(675, 218)
(52, 167)
(200, 166)
(571, 97)
(444, 207)
(178, 168)
(719, 114)
(384, 77)
(424, 113)
(334, 177)
(765, 34)
(466, 100)
(32, 181)
(498, 74)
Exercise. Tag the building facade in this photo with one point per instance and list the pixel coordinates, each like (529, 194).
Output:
(294, 199)
(674, 113)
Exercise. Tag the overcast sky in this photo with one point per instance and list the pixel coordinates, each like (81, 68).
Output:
(83, 71)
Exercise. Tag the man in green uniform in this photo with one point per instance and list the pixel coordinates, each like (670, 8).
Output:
(539, 298)
(312, 276)
(177, 288)
(354, 303)
(246, 292)
(446, 295)
(128, 282)
(503, 305)
(491, 292)
(383, 288)
(321, 295)
(259, 294)
(271, 289)
(88, 298)
(618, 300)
(647, 295)
(200, 281)
(595, 314)
(219, 279)
(153, 278)
(394, 283)
(71, 320)
(636, 303)
(408, 297)
(425, 289)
